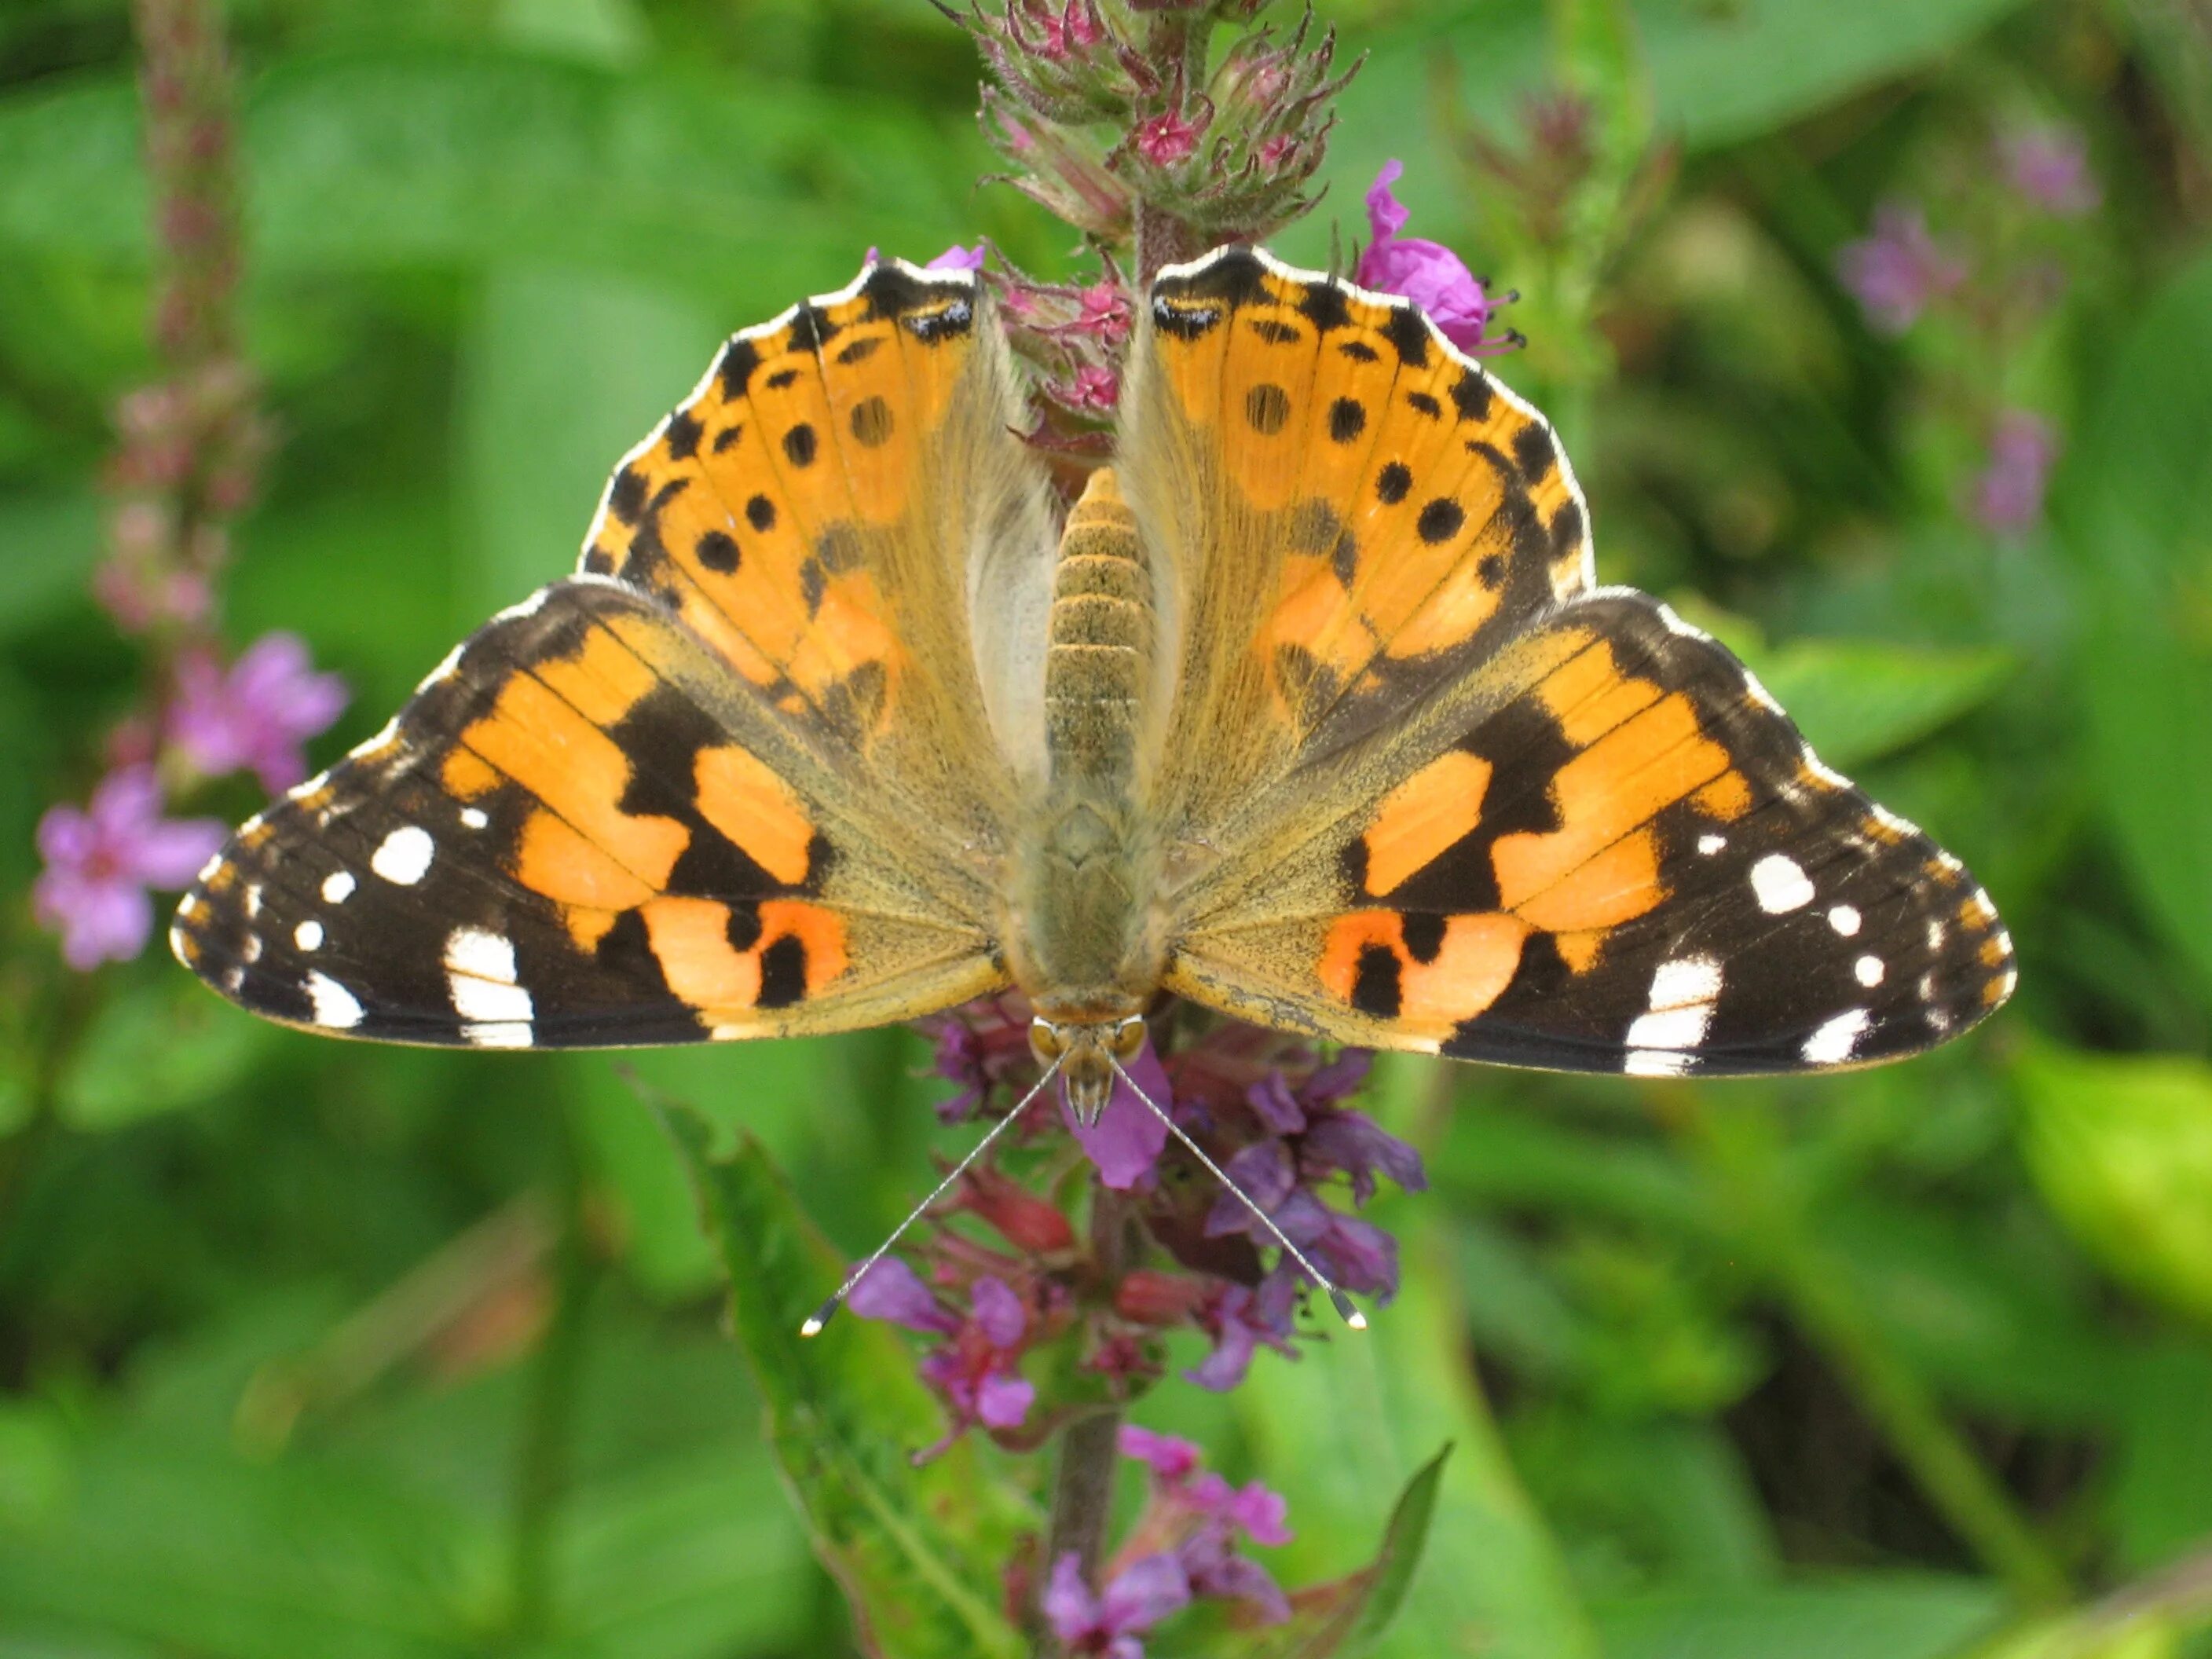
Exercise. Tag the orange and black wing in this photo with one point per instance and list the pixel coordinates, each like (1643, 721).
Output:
(582, 833)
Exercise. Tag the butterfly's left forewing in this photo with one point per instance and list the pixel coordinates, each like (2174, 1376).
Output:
(583, 831)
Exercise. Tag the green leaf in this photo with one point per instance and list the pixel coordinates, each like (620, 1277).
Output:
(1347, 1618)
(1856, 699)
(2121, 1148)
(918, 1551)
(48, 546)
(2134, 507)
(1356, 1405)
(387, 159)
(2160, 1498)
(158, 1049)
(1887, 1617)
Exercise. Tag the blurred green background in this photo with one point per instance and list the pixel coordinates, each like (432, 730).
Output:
(309, 1348)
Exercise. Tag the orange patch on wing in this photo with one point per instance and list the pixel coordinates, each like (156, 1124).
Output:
(1472, 967)
(1620, 783)
(466, 776)
(578, 771)
(553, 859)
(603, 681)
(1423, 816)
(1474, 961)
(587, 927)
(691, 940)
(1580, 950)
(820, 930)
(1589, 696)
(1727, 797)
(1616, 885)
(756, 810)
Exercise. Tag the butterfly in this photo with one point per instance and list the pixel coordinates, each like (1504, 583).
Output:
(1308, 709)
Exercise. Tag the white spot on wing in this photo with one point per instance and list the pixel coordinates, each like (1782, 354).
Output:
(474, 816)
(405, 856)
(251, 950)
(253, 898)
(308, 935)
(509, 1034)
(334, 1006)
(1780, 885)
(1655, 1062)
(1845, 919)
(1681, 1007)
(1870, 971)
(444, 671)
(1710, 845)
(208, 871)
(1832, 1043)
(337, 887)
(481, 978)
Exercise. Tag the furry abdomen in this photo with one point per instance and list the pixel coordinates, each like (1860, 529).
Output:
(1085, 939)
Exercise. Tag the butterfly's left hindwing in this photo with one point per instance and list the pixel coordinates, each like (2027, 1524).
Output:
(584, 831)
(1626, 858)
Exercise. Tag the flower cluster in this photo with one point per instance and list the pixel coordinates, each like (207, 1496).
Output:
(1185, 1545)
(187, 466)
(1108, 111)
(1267, 1111)
(1993, 282)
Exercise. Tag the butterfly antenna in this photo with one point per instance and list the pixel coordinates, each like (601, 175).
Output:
(1337, 1298)
(820, 1314)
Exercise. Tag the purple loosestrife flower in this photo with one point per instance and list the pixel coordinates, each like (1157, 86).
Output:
(1898, 271)
(257, 713)
(2008, 494)
(1241, 1320)
(1129, 1137)
(975, 1369)
(2048, 168)
(1136, 1598)
(99, 862)
(1202, 1515)
(1428, 273)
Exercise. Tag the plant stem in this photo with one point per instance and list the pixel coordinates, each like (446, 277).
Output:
(1082, 1481)
(1742, 1157)
(543, 1463)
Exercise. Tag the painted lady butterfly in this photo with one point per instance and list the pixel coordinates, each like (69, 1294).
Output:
(1311, 712)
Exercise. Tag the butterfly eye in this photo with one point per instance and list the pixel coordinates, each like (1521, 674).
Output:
(1128, 1039)
(1047, 1042)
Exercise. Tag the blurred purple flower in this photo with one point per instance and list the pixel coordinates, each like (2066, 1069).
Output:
(1137, 1597)
(1355, 1144)
(257, 713)
(1213, 1567)
(1240, 1319)
(1428, 273)
(893, 1291)
(1170, 1457)
(2008, 494)
(99, 862)
(1129, 1137)
(1899, 270)
(2048, 168)
(958, 257)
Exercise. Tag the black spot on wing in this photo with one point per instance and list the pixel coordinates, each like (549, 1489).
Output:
(783, 973)
(1325, 306)
(1408, 333)
(740, 360)
(682, 435)
(1374, 986)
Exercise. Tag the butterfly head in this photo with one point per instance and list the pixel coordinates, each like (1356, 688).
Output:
(1087, 1051)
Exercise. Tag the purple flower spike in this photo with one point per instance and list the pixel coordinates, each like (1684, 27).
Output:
(1140, 1595)
(1428, 273)
(256, 714)
(1129, 1137)
(892, 1291)
(2048, 168)
(99, 862)
(2009, 495)
(1901, 270)
(958, 257)
(1239, 1320)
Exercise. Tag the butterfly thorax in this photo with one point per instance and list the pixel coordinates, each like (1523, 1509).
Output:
(1086, 940)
